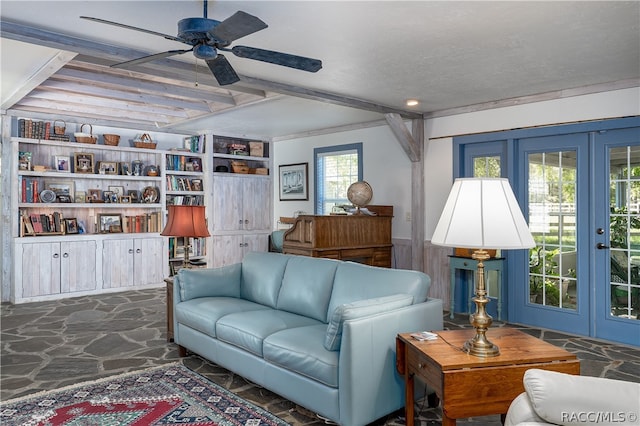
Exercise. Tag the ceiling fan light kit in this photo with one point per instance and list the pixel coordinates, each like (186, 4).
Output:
(208, 36)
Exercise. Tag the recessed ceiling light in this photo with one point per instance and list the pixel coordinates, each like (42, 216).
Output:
(412, 102)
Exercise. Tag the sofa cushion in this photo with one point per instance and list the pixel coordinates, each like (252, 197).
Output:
(248, 330)
(300, 350)
(354, 281)
(359, 309)
(306, 287)
(203, 313)
(262, 274)
(224, 281)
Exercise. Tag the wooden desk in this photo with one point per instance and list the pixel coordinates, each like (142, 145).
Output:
(470, 386)
(468, 264)
(358, 238)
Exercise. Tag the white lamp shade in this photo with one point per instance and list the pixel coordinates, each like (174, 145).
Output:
(482, 213)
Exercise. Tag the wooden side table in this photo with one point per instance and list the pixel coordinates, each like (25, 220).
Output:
(468, 264)
(470, 386)
(169, 282)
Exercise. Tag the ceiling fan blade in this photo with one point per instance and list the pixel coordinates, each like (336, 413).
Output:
(222, 70)
(150, 58)
(278, 58)
(104, 21)
(238, 25)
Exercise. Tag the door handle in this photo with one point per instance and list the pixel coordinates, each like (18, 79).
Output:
(601, 246)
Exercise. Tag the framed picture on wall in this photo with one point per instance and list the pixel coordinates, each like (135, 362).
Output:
(294, 182)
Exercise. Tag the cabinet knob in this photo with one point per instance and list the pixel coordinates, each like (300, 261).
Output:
(56, 255)
(65, 255)
(240, 222)
(138, 251)
(130, 251)
(246, 221)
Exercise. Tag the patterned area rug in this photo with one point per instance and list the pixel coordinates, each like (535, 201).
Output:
(166, 395)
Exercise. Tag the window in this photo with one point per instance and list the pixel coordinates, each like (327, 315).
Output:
(337, 167)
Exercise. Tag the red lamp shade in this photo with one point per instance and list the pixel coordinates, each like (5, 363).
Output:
(186, 221)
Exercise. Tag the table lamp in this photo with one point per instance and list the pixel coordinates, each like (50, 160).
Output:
(187, 222)
(480, 214)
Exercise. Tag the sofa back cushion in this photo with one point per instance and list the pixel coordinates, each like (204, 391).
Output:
(354, 282)
(221, 282)
(306, 287)
(262, 274)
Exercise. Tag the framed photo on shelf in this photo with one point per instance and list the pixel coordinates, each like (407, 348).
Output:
(134, 194)
(64, 190)
(125, 169)
(94, 195)
(294, 182)
(125, 199)
(63, 163)
(24, 160)
(81, 197)
(109, 223)
(83, 162)
(118, 190)
(108, 168)
(71, 225)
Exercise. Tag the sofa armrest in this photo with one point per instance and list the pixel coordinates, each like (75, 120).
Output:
(521, 413)
(368, 380)
(207, 282)
(566, 399)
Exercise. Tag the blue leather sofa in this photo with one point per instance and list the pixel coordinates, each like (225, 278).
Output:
(318, 332)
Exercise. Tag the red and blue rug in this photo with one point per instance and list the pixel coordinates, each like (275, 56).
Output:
(167, 395)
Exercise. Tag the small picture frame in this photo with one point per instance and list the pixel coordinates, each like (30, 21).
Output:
(195, 163)
(134, 194)
(24, 160)
(294, 182)
(118, 190)
(81, 197)
(106, 196)
(108, 168)
(71, 225)
(125, 169)
(64, 190)
(83, 162)
(109, 223)
(63, 163)
(94, 195)
(196, 184)
(125, 199)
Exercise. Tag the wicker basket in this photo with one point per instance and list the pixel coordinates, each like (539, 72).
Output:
(239, 167)
(145, 142)
(85, 137)
(112, 140)
(57, 129)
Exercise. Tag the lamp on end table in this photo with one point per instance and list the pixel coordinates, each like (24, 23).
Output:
(480, 214)
(186, 222)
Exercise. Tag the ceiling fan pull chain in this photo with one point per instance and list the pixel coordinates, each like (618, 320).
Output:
(195, 62)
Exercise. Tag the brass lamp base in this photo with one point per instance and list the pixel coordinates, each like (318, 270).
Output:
(479, 345)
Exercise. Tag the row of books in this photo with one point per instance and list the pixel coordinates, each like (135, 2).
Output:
(150, 222)
(182, 163)
(195, 143)
(197, 247)
(38, 130)
(28, 190)
(185, 200)
(176, 183)
(40, 223)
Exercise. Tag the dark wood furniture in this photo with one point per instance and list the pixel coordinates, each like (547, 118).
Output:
(359, 238)
(169, 282)
(470, 386)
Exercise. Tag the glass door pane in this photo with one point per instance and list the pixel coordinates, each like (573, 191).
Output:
(552, 221)
(624, 231)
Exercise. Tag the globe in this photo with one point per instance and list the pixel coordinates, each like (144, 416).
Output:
(360, 194)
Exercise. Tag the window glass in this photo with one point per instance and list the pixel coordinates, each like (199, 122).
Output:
(337, 167)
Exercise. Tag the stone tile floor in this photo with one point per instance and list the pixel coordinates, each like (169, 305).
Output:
(47, 345)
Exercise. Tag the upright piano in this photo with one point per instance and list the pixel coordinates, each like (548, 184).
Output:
(359, 237)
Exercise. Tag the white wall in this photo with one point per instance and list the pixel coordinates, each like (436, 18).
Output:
(387, 169)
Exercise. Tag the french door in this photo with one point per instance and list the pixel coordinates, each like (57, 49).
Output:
(580, 191)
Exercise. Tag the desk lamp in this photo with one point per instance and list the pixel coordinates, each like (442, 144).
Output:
(187, 222)
(482, 213)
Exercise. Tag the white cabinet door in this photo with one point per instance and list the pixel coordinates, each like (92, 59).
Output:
(78, 266)
(148, 261)
(241, 203)
(40, 269)
(58, 267)
(117, 263)
(256, 203)
(227, 204)
(227, 249)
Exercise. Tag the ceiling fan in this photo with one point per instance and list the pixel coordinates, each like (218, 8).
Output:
(208, 36)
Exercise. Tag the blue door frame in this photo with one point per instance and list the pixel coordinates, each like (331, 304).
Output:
(592, 141)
